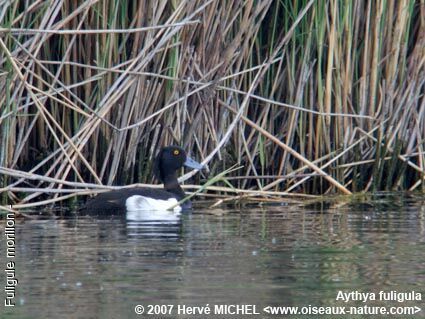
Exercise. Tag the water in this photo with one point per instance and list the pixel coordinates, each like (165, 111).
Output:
(282, 255)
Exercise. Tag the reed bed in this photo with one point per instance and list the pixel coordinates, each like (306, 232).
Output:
(308, 97)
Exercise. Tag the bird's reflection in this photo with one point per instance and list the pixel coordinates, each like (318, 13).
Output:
(160, 224)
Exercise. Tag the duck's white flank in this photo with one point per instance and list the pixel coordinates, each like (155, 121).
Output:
(138, 202)
(154, 218)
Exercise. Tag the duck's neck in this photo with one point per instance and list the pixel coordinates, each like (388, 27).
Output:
(172, 185)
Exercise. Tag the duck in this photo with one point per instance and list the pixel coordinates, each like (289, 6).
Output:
(166, 164)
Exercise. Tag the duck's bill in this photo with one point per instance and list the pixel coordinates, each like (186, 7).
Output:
(192, 163)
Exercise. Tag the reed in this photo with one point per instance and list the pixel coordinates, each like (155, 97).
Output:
(310, 97)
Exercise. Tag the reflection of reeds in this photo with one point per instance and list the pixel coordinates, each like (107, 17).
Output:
(332, 90)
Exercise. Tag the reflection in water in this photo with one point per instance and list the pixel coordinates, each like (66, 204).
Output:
(160, 224)
(90, 267)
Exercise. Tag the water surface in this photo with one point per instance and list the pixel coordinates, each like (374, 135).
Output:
(276, 255)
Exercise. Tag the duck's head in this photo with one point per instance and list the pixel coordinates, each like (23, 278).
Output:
(170, 159)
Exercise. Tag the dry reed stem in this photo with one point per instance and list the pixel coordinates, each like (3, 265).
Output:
(23, 31)
(293, 153)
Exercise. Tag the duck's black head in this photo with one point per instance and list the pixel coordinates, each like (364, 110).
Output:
(169, 160)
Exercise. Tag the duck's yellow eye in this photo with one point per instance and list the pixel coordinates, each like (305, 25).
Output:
(176, 152)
